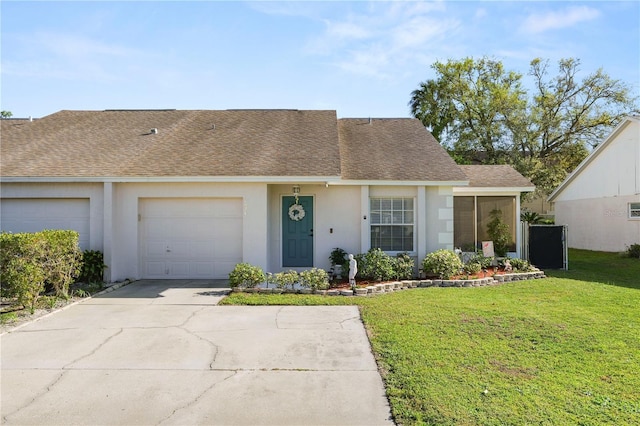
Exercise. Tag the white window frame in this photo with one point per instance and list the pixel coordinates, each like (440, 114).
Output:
(634, 211)
(412, 224)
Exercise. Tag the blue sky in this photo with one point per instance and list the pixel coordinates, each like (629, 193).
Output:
(360, 58)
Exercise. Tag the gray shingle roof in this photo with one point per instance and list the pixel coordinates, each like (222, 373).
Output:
(393, 149)
(119, 143)
(211, 143)
(495, 176)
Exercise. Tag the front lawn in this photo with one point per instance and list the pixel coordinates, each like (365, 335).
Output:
(563, 350)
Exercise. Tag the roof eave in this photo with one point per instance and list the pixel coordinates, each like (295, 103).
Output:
(402, 182)
(496, 190)
(135, 179)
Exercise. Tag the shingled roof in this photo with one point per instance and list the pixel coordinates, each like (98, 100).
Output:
(495, 176)
(120, 143)
(228, 143)
(393, 149)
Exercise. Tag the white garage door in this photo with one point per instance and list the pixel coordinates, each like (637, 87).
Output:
(37, 214)
(190, 237)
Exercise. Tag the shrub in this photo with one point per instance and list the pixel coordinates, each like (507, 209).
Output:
(376, 265)
(499, 233)
(246, 275)
(337, 256)
(530, 217)
(485, 262)
(61, 259)
(403, 267)
(443, 263)
(284, 279)
(472, 268)
(634, 251)
(92, 266)
(22, 274)
(315, 279)
(520, 265)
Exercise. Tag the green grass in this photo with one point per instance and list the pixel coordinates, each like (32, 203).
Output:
(563, 350)
(599, 267)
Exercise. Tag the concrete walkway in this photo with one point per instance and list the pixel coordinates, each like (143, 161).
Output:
(162, 352)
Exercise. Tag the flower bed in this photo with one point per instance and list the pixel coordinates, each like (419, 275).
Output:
(389, 287)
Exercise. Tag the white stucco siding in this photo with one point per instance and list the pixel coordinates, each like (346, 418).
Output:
(77, 206)
(336, 221)
(614, 171)
(126, 242)
(600, 224)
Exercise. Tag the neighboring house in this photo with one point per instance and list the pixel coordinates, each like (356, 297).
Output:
(600, 199)
(189, 194)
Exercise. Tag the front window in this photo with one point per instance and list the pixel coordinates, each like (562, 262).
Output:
(392, 224)
(634, 210)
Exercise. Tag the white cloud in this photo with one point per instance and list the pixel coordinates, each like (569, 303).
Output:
(67, 56)
(481, 13)
(76, 46)
(421, 30)
(346, 30)
(370, 62)
(541, 22)
(381, 37)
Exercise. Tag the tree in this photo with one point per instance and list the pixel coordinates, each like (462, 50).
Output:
(468, 106)
(6, 114)
(482, 114)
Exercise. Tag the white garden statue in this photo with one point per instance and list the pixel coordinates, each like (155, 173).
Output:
(353, 270)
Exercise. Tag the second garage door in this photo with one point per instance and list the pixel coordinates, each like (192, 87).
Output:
(37, 214)
(197, 238)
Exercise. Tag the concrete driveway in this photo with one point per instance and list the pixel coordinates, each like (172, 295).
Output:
(162, 352)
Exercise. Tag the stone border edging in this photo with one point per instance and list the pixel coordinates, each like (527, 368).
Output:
(389, 287)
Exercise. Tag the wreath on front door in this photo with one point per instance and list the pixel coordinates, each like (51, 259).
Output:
(296, 212)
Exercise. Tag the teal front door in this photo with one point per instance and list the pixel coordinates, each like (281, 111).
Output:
(297, 232)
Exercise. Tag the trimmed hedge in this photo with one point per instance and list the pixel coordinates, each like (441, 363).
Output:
(442, 263)
(31, 261)
(246, 275)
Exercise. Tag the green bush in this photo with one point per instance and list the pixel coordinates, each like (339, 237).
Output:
(472, 268)
(376, 265)
(634, 251)
(315, 279)
(92, 266)
(284, 279)
(403, 266)
(62, 260)
(31, 261)
(499, 233)
(22, 273)
(520, 265)
(485, 262)
(246, 275)
(337, 256)
(530, 217)
(443, 263)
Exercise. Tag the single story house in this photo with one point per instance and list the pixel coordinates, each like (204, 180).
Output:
(600, 199)
(189, 194)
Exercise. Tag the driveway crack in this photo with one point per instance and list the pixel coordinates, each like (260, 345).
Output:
(5, 418)
(95, 349)
(276, 317)
(355, 317)
(199, 397)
